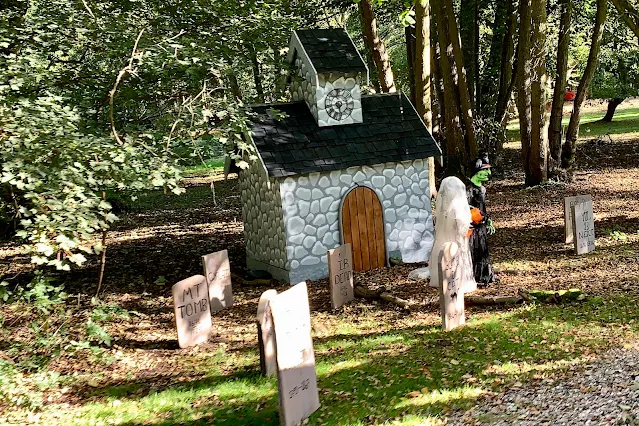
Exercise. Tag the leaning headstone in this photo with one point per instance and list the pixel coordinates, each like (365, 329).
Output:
(569, 202)
(217, 271)
(451, 291)
(192, 312)
(583, 222)
(266, 334)
(340, 275)
(297, 379)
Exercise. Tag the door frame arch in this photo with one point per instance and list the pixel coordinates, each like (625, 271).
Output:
(341, 221)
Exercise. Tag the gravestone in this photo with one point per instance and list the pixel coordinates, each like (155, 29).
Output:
(451, 291)
(569, 202)
(340, 275)
(297, 379)
(217, 271)
(266, 334)
(583, 222)
(192, 312)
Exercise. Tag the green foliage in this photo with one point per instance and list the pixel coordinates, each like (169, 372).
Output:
(176, 100)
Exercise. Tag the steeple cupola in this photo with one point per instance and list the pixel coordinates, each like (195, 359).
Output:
(327, 74)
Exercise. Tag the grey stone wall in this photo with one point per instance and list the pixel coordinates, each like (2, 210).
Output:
(311, 203)
(264, 232)
(304, 87)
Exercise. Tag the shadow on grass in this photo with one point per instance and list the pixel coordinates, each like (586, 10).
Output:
(367, 379)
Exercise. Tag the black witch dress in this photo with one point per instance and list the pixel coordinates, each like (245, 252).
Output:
(482, 266)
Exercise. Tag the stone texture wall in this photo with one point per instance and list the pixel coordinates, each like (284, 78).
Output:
(304, 87)
(264, 231)
(311, 206)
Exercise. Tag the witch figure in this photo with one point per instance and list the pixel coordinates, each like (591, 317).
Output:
(482, 225)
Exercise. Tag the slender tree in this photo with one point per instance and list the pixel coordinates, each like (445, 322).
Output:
(376, 46)
(556, 112)
(461, 144)
(570, 144)
(531, 81)
(469, 35)
(422, 78)
(628, 13)
(507, 72)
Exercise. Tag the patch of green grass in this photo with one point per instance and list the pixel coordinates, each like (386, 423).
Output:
(626, 120)
(158, 200)
(407, 376)
(212, 166)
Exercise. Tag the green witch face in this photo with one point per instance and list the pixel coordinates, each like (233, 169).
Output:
(481, 176)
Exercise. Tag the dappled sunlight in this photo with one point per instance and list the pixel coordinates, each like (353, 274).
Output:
(521, 368)
(423, 397)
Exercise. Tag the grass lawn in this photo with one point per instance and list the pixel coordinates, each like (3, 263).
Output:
(625, 122)
(375, 367)
(214, 165)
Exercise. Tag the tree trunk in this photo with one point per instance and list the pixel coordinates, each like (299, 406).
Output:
(507, 72)
(464, 94)
(436, 72)
(612, 107)
(257, 75)
(570, 144)
(492, 69)
(411, 42)
(469, 36)
(556, 112)
(422, 79)
(531, 77)
(628, 14)
(459, 149)
(376, 46)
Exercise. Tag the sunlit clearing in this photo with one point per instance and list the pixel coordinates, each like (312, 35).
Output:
(443, 396)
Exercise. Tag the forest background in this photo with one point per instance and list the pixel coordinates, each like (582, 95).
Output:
(101, 102)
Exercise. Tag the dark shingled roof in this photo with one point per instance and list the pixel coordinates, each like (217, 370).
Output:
(392, 132)
(331, 50)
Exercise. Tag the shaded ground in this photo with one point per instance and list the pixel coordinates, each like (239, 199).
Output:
(370, 355)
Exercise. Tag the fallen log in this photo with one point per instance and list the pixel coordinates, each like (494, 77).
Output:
(382, 294)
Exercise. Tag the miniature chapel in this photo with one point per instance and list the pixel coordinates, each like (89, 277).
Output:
(334, 167)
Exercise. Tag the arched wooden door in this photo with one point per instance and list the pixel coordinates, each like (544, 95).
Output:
(363, 228)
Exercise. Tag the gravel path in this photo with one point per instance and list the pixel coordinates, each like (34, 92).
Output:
(605, 393)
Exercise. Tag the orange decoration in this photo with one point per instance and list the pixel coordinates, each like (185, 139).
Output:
(475, 215)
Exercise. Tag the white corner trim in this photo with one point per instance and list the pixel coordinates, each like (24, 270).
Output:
(257, 152)
(360, 57)
(296, 45)
(422, 120)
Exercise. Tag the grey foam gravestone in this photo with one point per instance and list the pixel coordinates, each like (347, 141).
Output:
(451, 292)
(266, 334)
(569, 202)
(217, 271)
(583, 222)
(192, 312)
(340, 275)
(297, 379)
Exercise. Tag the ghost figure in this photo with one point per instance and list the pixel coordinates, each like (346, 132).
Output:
(452, 225)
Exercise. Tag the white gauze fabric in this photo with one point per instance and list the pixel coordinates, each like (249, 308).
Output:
(452, 224)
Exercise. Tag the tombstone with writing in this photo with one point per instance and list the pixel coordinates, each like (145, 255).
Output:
(583, 225)
(192, 312)
(569, 202)
(217, 271)
(451, 292)
(297, 379)
(340, 275)
(266, 334)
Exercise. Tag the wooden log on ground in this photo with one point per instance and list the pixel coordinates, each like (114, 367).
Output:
(382, 294)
